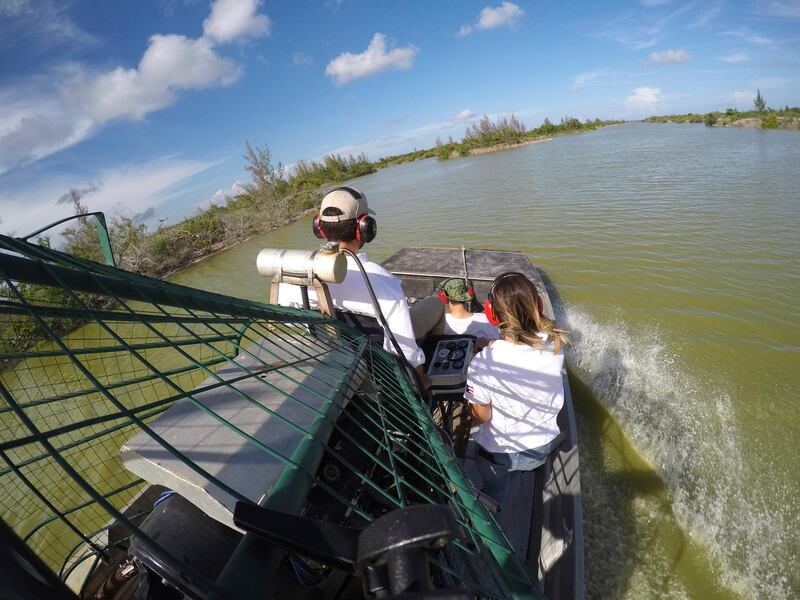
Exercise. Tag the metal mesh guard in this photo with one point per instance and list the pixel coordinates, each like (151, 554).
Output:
(91, 356)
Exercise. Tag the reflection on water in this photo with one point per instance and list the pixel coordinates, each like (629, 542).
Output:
(675, 252)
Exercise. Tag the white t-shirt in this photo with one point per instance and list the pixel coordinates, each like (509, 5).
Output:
(477, 325)
(525, 389)
(352, 295)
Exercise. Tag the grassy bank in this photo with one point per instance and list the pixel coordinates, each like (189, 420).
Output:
(271, 199)
(787, 118)
(487, 135)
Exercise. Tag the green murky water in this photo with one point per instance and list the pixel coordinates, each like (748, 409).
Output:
(675, 255)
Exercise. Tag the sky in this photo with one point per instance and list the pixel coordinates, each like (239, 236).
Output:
(145, 106)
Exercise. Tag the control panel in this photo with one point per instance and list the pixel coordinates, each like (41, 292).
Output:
(449, 363)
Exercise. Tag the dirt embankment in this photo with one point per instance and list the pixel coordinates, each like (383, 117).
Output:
(757, 123)
(488, 149)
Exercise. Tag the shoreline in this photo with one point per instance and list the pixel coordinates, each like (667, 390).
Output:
(219, 248)
(504, 146)
(537, 140)
(787, 119)
(223, 246)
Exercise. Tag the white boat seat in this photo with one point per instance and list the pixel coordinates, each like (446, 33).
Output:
(250, 404)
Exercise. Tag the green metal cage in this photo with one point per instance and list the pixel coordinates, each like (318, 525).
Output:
(91, 356)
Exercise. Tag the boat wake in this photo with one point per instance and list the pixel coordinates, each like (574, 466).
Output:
(690, 437)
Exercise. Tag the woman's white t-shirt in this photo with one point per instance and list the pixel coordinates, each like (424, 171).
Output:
(477, 325)
(526, 391)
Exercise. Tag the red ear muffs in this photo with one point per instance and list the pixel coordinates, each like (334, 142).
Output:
(366, 229)
(443, 296)
(317, 229)
(470, 292)
(490, 315)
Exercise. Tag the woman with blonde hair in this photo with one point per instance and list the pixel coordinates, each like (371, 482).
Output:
(514, 386)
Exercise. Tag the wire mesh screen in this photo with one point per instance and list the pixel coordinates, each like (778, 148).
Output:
(94, 361)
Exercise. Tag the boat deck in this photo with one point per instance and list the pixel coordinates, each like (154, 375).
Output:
(420, 270)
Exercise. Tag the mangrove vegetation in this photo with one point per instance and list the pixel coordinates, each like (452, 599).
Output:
(761, 116)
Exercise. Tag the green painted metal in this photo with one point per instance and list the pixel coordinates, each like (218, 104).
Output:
(91, 355)
(102, 233)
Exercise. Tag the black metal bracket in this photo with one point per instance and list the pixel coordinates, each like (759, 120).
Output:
(391, 553)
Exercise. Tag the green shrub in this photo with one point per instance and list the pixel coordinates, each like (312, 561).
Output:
(770, 121)
(711, 119)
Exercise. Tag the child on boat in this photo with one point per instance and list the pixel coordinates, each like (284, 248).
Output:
(457, 294)
(514, 386)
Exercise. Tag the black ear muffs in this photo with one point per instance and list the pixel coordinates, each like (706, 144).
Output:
(317, 228)
(366, 229)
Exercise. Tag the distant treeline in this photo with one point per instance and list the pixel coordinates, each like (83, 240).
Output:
(768, 118)
(505, 131)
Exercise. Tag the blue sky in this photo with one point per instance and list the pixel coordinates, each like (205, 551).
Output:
(145, 105)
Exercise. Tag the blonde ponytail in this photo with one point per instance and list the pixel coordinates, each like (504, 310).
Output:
(516, 302)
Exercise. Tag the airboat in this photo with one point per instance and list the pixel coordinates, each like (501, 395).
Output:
(160, 441)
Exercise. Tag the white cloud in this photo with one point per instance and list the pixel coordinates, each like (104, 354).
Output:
(464, 115)
(771, 82)
(670, 57)
(235, 20)
(507, 14)
(742, 97)
(222, 194)
(301, 59)
(13, 8)
(39, 25)
(170, 64)
(643, 97)
(749, 36)
(36, 121)
(464, 30)
(710, 14)
(779, 8)
(735, 57)
(49, 112)
(580, 80)
(348, 66)
(639, 29)
(131, 189)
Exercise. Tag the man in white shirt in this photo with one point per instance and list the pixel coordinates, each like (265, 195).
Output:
(346, 218)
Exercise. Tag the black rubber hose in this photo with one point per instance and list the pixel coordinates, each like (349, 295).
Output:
(404, 361)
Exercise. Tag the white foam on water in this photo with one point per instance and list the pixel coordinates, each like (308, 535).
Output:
(689, 435)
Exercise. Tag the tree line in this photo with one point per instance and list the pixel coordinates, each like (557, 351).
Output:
(771, 118)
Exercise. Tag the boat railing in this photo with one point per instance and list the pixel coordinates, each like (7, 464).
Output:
(94, 359)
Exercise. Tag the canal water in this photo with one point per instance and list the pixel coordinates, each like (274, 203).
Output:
(674, 257)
